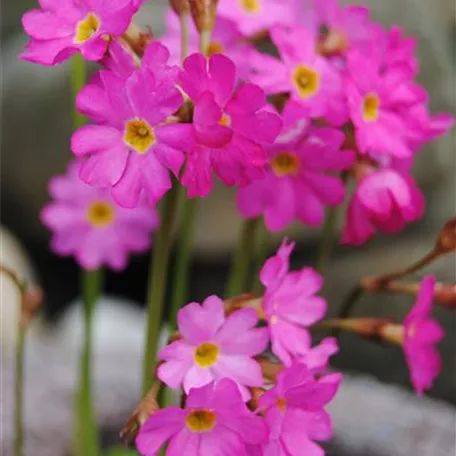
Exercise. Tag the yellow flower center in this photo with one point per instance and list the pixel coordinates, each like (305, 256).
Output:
(306, 81)
(215, 48)
(86, 28)
(225, 120)
(201, 420)
(206, 354)
(251, 6)
(371, 105)
(282, 404)
(100, 214)
(139, 135)
(285, 164)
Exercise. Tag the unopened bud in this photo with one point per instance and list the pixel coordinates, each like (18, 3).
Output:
(445, 294)
(446, 241)
(203, 13)
(180, 7)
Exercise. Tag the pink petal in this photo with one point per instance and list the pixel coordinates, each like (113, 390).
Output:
(239, 368)
(127, 190)
(293, 437)
(49, 52)
(221, 442)
(42, 25)
(197, 377)
(222, 73)
(184, 443)
(95, 138)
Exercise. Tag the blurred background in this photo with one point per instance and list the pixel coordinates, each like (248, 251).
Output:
(35, 130)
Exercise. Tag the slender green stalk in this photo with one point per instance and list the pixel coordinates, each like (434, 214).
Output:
(87, 441)
(328, 239)
(18, 393)
(348, 305)
(184, 19)
(261, 254)
(242, 258)
(78, 79)
(184, 250)
(157, 284)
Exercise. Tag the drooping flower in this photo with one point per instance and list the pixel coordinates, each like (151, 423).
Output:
(253, 16)
(295, 414)
(132, 148)
(226, 39)
(87, 224)
(230, 128)
(214, 347)
(421, 333)
(62, 28)
(215, 422)
(385, 199)
(308, 77)
(290, 305)
(298, 184)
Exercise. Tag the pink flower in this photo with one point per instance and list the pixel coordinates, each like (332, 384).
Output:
(86, 223)
(214, 347)
(295, 414)
(290, 305)
(384, 200)
(132, 148)
(252, 16)
(298, 184)
(310, 78)
(317, 357)
(214, 422)
(230, 129)
(63, 27)
(226, 39)
(421, 333)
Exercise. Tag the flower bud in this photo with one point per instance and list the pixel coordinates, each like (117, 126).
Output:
(446, 241)
(180, 7)
(445, 294)
(203, 13)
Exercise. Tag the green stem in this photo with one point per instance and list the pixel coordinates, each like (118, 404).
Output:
(18, 393)
(328, 239)
(157, 284)
(184, 249)
(78, 79)
(348, 304)
(87, 443)
(261, 255)
(184, 20)
(242, 258)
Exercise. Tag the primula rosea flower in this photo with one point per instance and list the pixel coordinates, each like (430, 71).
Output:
(253, 16)
(215, 422)
(230, 129)
(297, 185)
(214, 347)
(63, 27)
(226, 39)
(317, 357)
(309, 77)
(295, 414)
(385, 199)
(132, 148)
(86, 223)
(421, 333)
(290, 305)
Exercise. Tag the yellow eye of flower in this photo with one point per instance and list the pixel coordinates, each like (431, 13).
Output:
(206, 354)
(100, 214)
(225, 120)
(139, 135)
(201, 420)
(86, 28)
(306, 80)
(251, 6)
(285, 164)
(371, 106)
(282, 404)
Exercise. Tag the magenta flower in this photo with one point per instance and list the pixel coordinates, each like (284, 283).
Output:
(132, 148)
(421, 333)
(290, 305)
(384, 200)
(63, 27)
(298, 184)
(295, 414)
(215, 422)
(317, 357)
(310, 78)
(214, 347)
(252, 16)
(87, 224)
(226, 39)
(230, 129)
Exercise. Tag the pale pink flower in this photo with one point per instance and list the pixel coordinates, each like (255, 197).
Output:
(290, 304)
(295, 413)
(300, 181)
(214, 347)
(215, 422)
(421, 333)
(308, 77)
(230, 126)
(87, 224)
(63, 27)
(132, 148)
